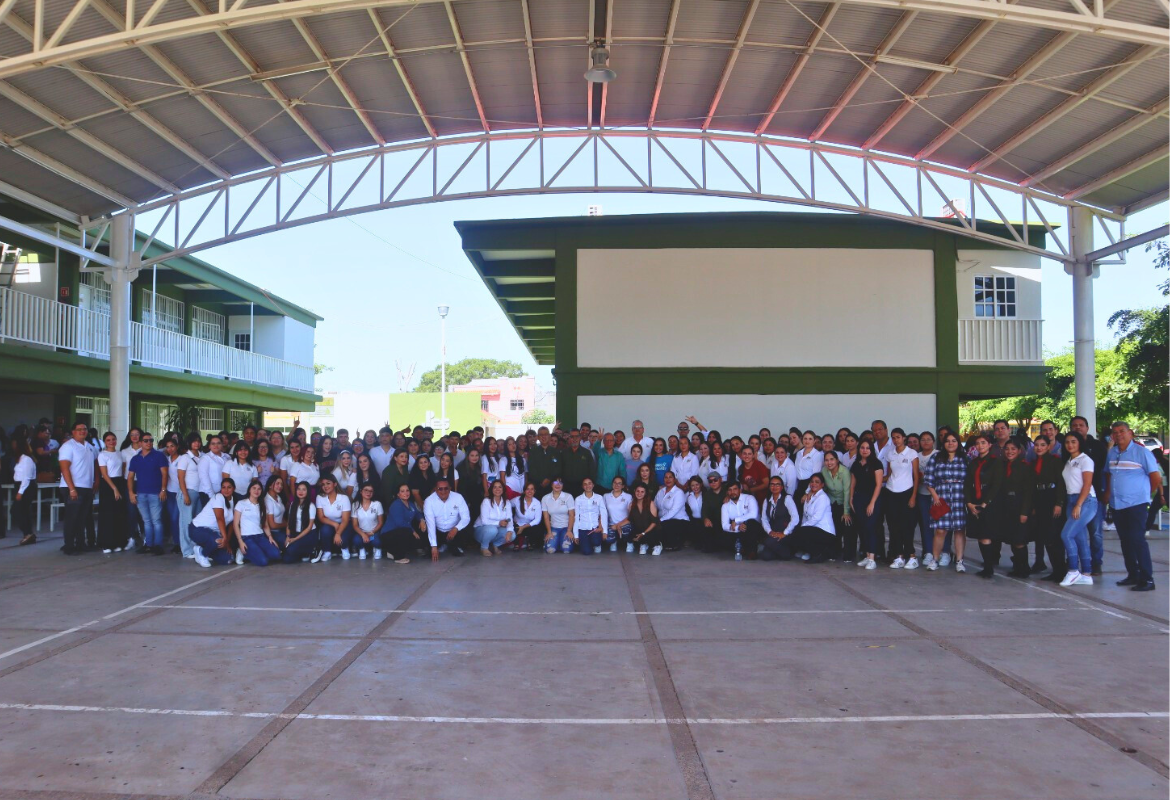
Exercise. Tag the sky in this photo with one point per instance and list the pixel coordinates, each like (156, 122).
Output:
(378, 279)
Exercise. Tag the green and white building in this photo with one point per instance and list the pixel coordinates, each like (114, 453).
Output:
(765, 319)
(199, 335)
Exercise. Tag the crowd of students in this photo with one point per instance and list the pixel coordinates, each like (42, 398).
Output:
(261, 497)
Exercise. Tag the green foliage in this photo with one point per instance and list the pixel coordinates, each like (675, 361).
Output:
(467, 370)
(182, 417)
(537, 417)
(1144, 344)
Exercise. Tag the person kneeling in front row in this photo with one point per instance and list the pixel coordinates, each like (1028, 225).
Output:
(303, 542)
(446, 515)
(254, 543)
(778, 518)
(741, 526)
(209, 529)
(816, 534)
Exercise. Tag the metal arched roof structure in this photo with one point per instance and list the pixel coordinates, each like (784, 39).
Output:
(107, 105)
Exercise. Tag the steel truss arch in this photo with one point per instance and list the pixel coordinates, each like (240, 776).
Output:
(574, 162)
(158, 22)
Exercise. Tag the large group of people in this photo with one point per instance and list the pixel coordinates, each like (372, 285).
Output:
(261, 497)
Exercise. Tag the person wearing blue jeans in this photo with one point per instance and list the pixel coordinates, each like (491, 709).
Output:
(209, 529)
(1082, 508)
(255, 542)
(1096, 450)
(302, 542)
(147, 486)
(591, 519)
(493, 528)
(1132, 478)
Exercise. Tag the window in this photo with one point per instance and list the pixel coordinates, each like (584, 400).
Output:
(162, 312)
(152, 417)
(517, 405)
(995, 296)
(240, 419)
(210, 419)
(93, 293)
(96, 412)
(483, 405)
(242, 341)
(207, 325)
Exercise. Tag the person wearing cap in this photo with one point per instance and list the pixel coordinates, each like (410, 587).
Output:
(559, 511)
(714, 493)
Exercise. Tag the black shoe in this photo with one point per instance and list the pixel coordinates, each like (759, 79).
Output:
(71, 552)
(1096, 572)
(176, 549)
(1020, 572)
(30, 539)
(158, 550)
(142, 550)
(1038, 567)
(1147, 586)
(1128, 581)
(454, 551)
(986, 572)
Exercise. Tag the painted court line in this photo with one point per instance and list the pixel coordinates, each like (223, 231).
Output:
(436, 720)
(144, 604)
(763, 612)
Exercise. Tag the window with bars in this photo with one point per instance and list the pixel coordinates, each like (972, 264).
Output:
(97, 410)
(152, 417)
(162, 312)
(995, 296)
(240, 419)
(210, 419)
(207, 325)
(93, 293)
(483, 405)
(242, 341)
(517, 405)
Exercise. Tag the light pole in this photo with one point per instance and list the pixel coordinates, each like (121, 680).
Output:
(443, 367)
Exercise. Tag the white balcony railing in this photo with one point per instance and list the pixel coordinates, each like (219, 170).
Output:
(35, 320)
(1001, 341)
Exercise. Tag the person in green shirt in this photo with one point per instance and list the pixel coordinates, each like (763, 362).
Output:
(544, 463)
(610, 463)
(576, 464)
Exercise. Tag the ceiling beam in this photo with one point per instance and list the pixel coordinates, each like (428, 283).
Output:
(867, 69)
(526, 291)
(116, 19)
(1127, 243)
(668, 41)
(302, 27)
(384, 35)
(536, 321)
(524, 268)
(529, 307)
(927, 86)
(461, 48)
(1120, 173)
(1088, 148)
(608, 35)
(73, 176)
(1102, 82)
(95, 144)
(1034, 62)
(729, 65)
(532, 62)
(798, 67)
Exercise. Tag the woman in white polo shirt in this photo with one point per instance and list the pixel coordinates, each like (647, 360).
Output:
(528, 518)
(254, 543)
(808, 461)
(494, 526)
(901, 482)
(368, 516)
(1082, 508)
(333, 519)
(617, 509)
(112, 531)
(241, 470)
(210, 529)
(558, 519)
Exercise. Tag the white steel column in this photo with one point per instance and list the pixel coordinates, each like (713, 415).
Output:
(1084, 341)
(119, 276)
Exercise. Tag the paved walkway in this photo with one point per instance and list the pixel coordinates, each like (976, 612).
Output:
(532, 676)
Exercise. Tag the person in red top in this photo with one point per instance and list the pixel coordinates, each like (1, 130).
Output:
(753, 474)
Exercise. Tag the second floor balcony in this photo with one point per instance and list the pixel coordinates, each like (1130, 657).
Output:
(1007, 341)
(39, 322)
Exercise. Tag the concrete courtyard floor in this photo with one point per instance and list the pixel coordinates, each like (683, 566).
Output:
(532, 676)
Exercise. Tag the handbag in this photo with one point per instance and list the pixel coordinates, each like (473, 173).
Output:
(939, 511)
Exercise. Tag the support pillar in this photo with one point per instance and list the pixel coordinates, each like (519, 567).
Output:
(119, 275)
(1084, 340)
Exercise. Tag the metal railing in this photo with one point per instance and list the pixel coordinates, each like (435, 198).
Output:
(39, 321)
(1001, 341)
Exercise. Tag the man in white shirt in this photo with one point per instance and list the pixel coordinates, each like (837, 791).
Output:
(383, 451)
(637, 436)
(447, 516)
(77, 468)
(672, 512)
(741, 524)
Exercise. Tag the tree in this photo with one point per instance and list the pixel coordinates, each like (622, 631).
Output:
(1144, 344)
(537, 416)
(468, 370)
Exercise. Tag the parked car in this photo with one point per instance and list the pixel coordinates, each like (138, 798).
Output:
(1151, 443)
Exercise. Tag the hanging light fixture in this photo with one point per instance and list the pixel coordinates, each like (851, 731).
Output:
(600, 71)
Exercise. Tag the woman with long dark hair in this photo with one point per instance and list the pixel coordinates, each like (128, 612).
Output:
(984, 485)
(405, 528)
(512, 468)
(240, 469)
(366, 474)
(254, 543)
(24, 476)
(945, 479)
(494, 527)
(1047, 508)
(865, 500)
(333, 518)
(112, 530)
(644, 532)
(303, 542)
(422, 480)
(1081, 509)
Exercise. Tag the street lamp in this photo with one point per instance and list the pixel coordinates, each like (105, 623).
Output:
(443, 367)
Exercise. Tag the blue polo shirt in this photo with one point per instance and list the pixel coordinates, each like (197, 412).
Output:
(147, 471)
(1129, 471)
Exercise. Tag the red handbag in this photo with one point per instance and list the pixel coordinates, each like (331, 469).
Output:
(939, 511)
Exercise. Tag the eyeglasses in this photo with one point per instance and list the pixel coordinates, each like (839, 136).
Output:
(148, 441)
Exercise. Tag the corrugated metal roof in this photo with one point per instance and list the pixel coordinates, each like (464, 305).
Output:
(494, 34)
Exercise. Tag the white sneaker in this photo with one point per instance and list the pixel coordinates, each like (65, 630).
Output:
(932, 566)
(642, 550)
(928, 559)
(189, 555)
(959, 565)
(870, 563)
(629, 547)
(240, 557)
(201, 559)
(107, 551)
(805, 556)
(912, 563)
(944, 560)
(345, 554)
(899, 562)
(1083, 580)
(864, 562)
(377, 554)
(325, 556)
(657, 551)
(1109, 526)
(117, 549)
(613, 547)
(361, 554)
(1070, 578)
